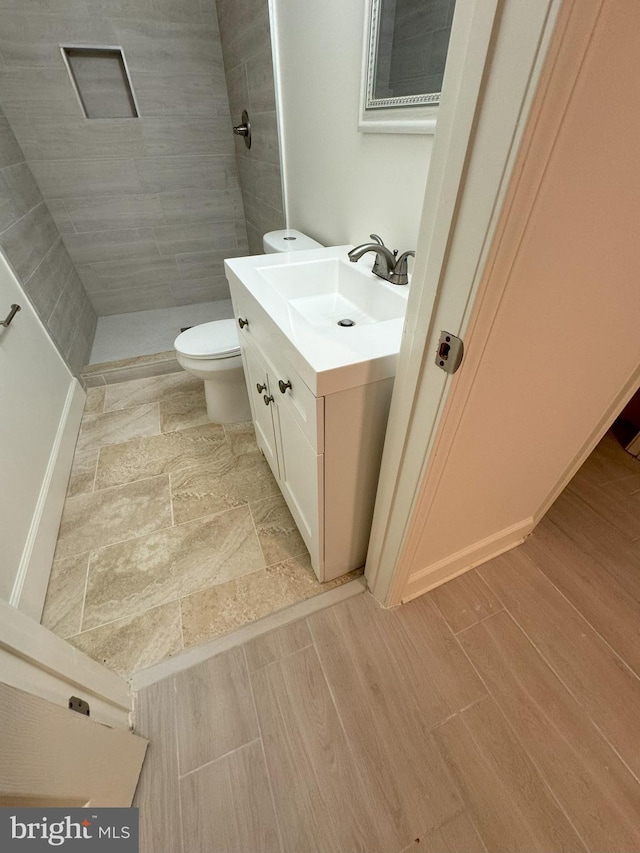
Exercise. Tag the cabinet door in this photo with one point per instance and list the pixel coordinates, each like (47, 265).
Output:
(256, 375)
(301, 482)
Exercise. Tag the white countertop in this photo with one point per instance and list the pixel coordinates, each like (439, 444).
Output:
(329, 358)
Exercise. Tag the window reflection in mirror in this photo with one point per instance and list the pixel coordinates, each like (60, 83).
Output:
(408, 51)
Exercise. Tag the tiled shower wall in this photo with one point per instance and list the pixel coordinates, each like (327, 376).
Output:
(246, 48)
(149, 207)
(31, 242)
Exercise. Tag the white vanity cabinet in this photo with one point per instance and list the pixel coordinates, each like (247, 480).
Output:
(324, 451)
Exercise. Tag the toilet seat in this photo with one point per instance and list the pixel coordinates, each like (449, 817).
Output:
(218, 339)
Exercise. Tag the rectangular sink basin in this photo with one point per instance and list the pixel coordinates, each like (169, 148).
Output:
(325, 292)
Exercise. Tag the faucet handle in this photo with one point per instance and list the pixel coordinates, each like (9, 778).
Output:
(377, 239)
(400, 274)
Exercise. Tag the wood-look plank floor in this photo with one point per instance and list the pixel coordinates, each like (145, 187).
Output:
(498, 713)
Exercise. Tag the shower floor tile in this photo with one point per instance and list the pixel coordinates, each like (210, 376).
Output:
(169, 540)
(122, 336)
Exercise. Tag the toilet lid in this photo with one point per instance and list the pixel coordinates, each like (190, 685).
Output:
(218, 339)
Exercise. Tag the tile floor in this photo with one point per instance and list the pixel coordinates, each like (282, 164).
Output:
(173, 531)
(497, 713)
(139, 333)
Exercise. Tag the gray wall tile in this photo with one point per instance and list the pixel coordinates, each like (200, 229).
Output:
(10, 152)
(203, 290)
(58, 211)
(96, 246)
(246, 47)
(165, 47)
(27, 241)
(8, 208)
(114, 212)
(201, 265)
(181, 94)
(38, 7)
(42, 92)
(56, 139)
(239, 45)
(197, 237)
(265, 144)
(34, 40)
(261, 216)
(173, 135)
(260, 83)
(73, 178)
(48, 280)
(195, 206)
(241, 234)
(135, 299)
(128, 195)
(254, 238)
(238, 92)
(22, 186)
(31, 242)
(114, 9)
(262, 179)
(132, 273)
(162, 174)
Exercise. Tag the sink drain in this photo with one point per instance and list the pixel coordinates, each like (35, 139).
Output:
(346, 322)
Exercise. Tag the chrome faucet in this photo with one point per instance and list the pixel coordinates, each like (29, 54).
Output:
(387, 265)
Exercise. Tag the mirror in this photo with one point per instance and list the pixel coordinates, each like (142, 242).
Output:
(404, 56)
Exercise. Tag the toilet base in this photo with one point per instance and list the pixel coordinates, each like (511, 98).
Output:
(227, 402)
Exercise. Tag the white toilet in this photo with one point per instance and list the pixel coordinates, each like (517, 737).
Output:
(211, 351)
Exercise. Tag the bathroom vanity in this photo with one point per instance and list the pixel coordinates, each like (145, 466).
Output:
(320, 391)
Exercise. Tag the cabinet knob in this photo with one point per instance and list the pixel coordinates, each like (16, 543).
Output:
(242, 323)
(284, 385)
(261, 388)
(268, 400)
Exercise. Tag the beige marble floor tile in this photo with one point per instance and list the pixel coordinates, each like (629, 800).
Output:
(133, 576)
(62, 612)
(223, 482)
(94, 404)
(241, 438)
(100, 518)
(184, 408)
(115, 427)
(136, 392)
(83, 472)
(130, 644)
(159, 454)
(225, 607)
(277, 531)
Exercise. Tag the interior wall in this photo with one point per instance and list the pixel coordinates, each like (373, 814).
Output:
(340, 184)
(31, 242)
(148, 207)
(554, 347)
(245, 35)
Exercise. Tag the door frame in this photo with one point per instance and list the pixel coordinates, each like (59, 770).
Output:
(496, 56)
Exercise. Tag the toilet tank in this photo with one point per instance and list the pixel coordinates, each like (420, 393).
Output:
(288, 240)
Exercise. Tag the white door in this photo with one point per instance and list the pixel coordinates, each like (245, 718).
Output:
(40, 406)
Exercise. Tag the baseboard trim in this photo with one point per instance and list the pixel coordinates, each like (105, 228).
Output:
(30, 587)
(461, 562)
(191, 657)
